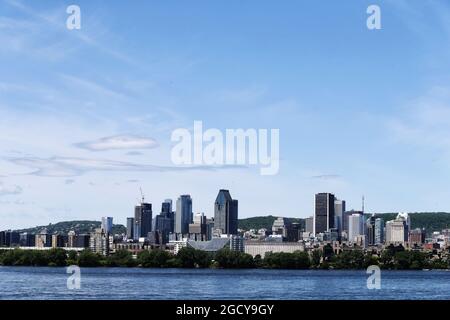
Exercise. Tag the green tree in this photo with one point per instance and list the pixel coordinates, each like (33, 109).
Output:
(155, 259)
(89, 259)
(316, 256)
(233, 259)
(121, 258)
(57, 257)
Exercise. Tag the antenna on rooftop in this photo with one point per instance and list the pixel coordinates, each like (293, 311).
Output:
(142, 195)
(363, 203)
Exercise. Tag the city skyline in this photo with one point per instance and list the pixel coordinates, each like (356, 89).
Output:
(87, 115)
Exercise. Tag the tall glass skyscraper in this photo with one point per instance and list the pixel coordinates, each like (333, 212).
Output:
(225, 213)
(324, 212)
(183, 215)
(107, 224)
(339, 209)
(143, 219)
(379, 231)
(130, 228)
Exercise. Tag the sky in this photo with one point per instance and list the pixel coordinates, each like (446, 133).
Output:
(86, 116)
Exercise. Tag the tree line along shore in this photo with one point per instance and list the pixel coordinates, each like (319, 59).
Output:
(395, 258)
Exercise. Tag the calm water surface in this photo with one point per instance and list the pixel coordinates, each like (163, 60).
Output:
(122, 283)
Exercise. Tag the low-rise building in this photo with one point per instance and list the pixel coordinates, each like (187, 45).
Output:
(261, 248)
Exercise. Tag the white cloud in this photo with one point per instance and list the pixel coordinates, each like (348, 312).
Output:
(69, 167)
(10, 190)
(119, 142)
(425, 122)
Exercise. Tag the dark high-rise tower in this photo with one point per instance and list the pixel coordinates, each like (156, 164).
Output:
(225, 213)
(324, 212)
(183, 215)
(130, 228)
(143, 219)
(370, 231)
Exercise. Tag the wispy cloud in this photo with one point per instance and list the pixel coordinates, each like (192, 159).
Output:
(326, 177)
(9, 190)
(69, 167)
(134, 153)
(69, 181)
(119, 142)
(56, 21)
(425, 121)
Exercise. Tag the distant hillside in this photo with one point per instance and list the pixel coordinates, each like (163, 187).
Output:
(431, 221)
(264, 222)
(79, 227)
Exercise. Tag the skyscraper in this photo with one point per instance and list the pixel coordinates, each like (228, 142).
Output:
(397, 230)
(309, 225)
(143, 219)
(339, 209)
(225, 213)
(355, 226)
(379, 231)
(130, 228)
(324, 213)
(99, 242)
(163, 223)
(107, 224)
(167, 212)
(370, 231)
(183, 215)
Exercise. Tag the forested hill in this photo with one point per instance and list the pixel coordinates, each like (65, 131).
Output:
(80, 227)
(431, 221)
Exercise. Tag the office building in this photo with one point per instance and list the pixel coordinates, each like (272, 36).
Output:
(345, 221)
(183, 215)
(142, 220)
(237, 243)
(43, 239)
(163, 223)
(27, 239)
(12, 238)
(370, 231)
(2, 239)
(99, 242)
(82, 241)
(404, 216)
(379, 231)
(280, 227)
(339, 209)
(417, 236)
(209, 228)
(294, 232)
(107, 224)
(59, 241)
(167, 212)
(225, 214)
(309, 225)
(395, 232)
(130, 228)
(324, 212)
(355, 226)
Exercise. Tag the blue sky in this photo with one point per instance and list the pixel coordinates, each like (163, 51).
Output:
(360, 112)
